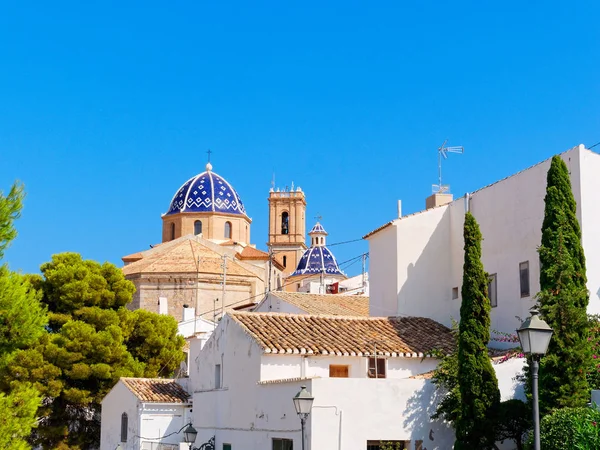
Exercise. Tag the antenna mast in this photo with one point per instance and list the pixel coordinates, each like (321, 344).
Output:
(443, 151)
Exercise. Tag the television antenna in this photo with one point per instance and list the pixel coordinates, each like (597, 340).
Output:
(443, 151)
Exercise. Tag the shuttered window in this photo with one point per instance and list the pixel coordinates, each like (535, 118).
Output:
(338, 371)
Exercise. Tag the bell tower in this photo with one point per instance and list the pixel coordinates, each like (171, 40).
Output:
(287, 227)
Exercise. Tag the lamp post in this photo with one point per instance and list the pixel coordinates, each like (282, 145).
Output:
(189, 435)
(535, 335)
(303, 402)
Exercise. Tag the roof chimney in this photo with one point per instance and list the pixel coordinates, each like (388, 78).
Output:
(437, 199)
(399, 209)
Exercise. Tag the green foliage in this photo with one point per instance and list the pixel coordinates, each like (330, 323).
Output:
(389, 445)
(571, 428)
(93, 341)
(593, 374)
(514, 420)
(22, 321)
(10, 210)
(17, 416)
(153, 338)
(445, 377)
(478, 386)
(563, 298)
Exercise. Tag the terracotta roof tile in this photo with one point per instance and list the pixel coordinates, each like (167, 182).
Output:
(332, 304)
(253, 253)
(345, 335)
(156, 390)
(182, 257)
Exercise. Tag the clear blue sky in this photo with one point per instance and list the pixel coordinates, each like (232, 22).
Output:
(105, 109)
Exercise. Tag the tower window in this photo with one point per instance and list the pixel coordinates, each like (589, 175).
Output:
(124, 425)
(227, 230)
(285, 223)
(197, 227)
(172, 231)
(285, 261)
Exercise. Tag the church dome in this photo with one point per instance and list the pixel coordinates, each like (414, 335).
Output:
(317, 260)
(207, 192)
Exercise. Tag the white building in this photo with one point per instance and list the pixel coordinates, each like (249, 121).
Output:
(244, 378)
(304, 303)
(416, 260)
(144, 414)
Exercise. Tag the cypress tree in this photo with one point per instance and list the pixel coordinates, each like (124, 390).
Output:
(563, 297)
(478, 385)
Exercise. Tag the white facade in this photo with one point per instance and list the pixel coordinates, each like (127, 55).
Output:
(416, 260)
(243, 397)
(148, 423)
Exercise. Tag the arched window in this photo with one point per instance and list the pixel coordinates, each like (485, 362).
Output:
(197, 227)
(124, 425)
(172, 231)
(285, 223)
(227, 230)
(285, 261)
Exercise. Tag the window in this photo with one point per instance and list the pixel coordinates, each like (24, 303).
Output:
(228, 230)
(454, 293)
(217, 376)
(492, 290)
(336, 371)
(124, 425)
(285, 261)
(524, 278)
(394, 445)
(376, 367)
(226, 446)
(172, 231)
(197, 227)
(283, 444)
(285, 223)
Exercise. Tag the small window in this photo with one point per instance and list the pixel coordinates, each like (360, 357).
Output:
(283, 444)
(493, 290)
(285, 223)
(524, 278)
(172, 231)
(124, 425)
(197, 227)
(218, 376)
(227, 230)
(376, 367)
(226, 446)
(336, 371)
(454, 293)
(285, 261)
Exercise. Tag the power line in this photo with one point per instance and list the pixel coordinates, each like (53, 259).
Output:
(345, 242)
(597, 143)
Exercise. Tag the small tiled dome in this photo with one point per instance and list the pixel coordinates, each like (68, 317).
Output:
(318, 258)
(207, 192)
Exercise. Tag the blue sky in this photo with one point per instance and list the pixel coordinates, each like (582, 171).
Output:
(107, 109)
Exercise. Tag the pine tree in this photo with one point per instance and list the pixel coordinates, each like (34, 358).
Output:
(563, 297)
(478, 385)
(22, 321)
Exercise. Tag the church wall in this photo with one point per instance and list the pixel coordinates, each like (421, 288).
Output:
(182, 290)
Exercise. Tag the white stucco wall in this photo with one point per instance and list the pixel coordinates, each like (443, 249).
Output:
(278, 367)
(272, 303)
(420, 257)
(118, 401)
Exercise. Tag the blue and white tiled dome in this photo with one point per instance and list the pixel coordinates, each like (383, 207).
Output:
(318, 258)
(314, 260)
(207, 192)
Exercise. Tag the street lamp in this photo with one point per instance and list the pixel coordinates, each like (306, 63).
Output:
(303, 402)
(535, 335)
(189, 435)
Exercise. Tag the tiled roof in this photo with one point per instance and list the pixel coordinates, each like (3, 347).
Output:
(253, 253)
(336, 305)
(339, 335)
(183, 257)
(156, 390)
